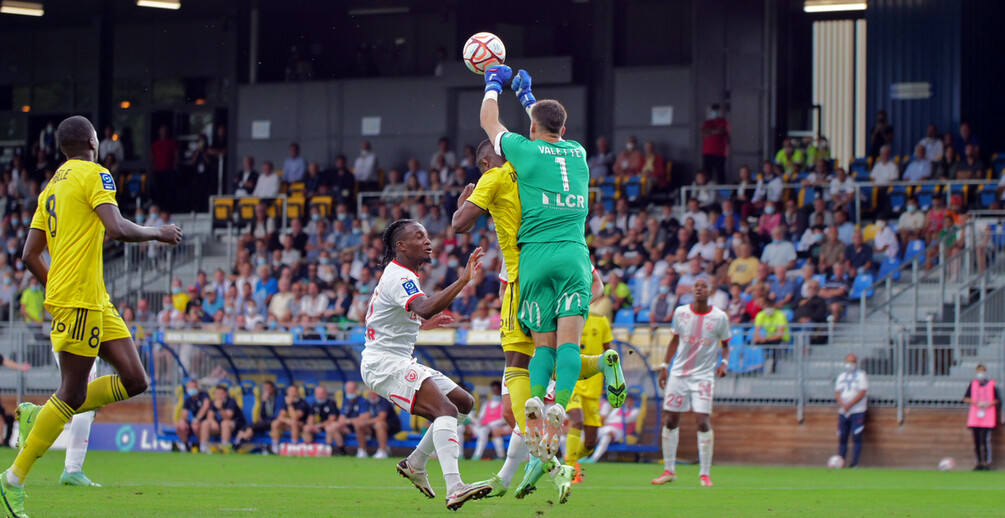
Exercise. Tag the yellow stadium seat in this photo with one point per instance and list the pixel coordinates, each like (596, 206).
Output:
(246, 209)
(257, 407)
(297, 188)
(869, 232)
(324, 205)
(621, 334)
(641, 337)
(275, 208)
(295, 207)
(223, 210)
(238, 395)
(662, 336)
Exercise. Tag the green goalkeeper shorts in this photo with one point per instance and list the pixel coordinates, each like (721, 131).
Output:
(555, 281)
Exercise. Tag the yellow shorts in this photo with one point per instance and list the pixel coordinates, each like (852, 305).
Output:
(513, 337)
(80, 331)
(590, 407)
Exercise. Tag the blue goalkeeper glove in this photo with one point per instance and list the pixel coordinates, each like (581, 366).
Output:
(496, 77)
(521, 86)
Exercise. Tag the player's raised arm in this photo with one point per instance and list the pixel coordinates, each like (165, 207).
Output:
(495, 78)
(467, 214)
(428, 307)
(121, 229)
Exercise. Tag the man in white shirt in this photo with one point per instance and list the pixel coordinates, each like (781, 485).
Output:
(646, 286)
(365, 168)
(850, 393)
(780, 252)
(268, 182)
(920, 167)
(884, 170)
(313, 306)
(769, 188)
(110, 146)
(932, 143)
(294, 166)
(695, 213)
(843, 190)
(704, 248)
(911, 222)
(885, 244)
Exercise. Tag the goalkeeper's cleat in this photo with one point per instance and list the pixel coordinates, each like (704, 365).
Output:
(418, 477)
(534, 410)
(551, 442)
(532, 472)
(614, 378)
(578, 478)
(667, 477)
(498, 487)
(77, 479)
(13, 498)
(705, 481)
(25, 415)
(466, 492)
(562, 477)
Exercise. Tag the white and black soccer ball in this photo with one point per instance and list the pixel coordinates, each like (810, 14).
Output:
(947, 464)
(835, 462)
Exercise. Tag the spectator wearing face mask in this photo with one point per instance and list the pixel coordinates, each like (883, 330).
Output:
(629, 161)
(885, 243)
(850, 394)
(985, 403)
(911, 224)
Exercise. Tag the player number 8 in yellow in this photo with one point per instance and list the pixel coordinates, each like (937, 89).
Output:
(50, 207)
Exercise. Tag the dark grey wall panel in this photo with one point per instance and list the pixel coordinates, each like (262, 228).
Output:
(636, 91)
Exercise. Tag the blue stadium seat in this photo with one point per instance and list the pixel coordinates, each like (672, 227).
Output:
(608, 204)
(898, 198)
(998, 165)
(807, 195)
(914, 249)
(609, 187)
(624, 318)
(863, 284)
(859, 169)
(633, 188)
(739, 337)
(753, 359)
(643, 316)
(987, 197)
(925, 200)
(821, 278)
(889, 267)
(357, 335)
(725, 194)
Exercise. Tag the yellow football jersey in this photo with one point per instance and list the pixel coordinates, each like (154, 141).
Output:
(75, 234)
(596, 333)
(497, 193)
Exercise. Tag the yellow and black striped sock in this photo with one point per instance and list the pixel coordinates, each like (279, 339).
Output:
(103, 391)
(49, 424)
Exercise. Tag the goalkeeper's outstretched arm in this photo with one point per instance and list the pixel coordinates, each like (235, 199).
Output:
(495, 77)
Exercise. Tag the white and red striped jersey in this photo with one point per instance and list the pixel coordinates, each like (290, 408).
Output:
(701, 336)
(391, 328)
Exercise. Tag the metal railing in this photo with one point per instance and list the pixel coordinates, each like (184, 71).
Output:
(142, 264)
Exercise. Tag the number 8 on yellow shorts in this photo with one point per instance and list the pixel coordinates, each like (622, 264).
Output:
(80, 331)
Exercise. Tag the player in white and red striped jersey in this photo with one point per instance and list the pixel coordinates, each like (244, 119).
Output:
(397, 310)
(701, 333)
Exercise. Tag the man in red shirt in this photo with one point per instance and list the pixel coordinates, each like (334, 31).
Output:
(715, 144)
(164, 162)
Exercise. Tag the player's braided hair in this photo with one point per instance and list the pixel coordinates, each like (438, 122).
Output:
(390, 238)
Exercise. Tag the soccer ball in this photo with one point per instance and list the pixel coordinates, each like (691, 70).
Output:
(835, 462)
(947, 464)
(483, 50)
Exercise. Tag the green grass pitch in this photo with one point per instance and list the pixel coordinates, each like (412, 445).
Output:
(218, 486)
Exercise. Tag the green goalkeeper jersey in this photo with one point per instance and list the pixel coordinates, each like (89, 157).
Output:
(554, 183)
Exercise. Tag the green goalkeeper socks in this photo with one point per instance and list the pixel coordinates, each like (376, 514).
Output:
(566, 372)
(541, 367)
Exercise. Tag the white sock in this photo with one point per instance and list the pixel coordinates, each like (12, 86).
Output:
(422, 451)
(448, 449)
(670, 439)
(705, 442)
(483, 439)
(515, 455)
(498, 442)
(76, 444)
(12, 479)
(605, 441)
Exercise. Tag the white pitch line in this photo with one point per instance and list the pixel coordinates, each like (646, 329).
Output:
(675, 487)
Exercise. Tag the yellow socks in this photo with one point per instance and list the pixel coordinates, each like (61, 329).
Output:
(573, 446)
(48, 425)
(590, 366)
(518, 384)
(103, 391)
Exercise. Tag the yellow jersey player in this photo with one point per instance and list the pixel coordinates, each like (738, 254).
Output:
(497, 193)
(584, 407)
(75, 213)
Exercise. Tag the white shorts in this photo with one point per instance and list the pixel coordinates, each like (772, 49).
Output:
(617, 433)
(398, 379)
(686, 394)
